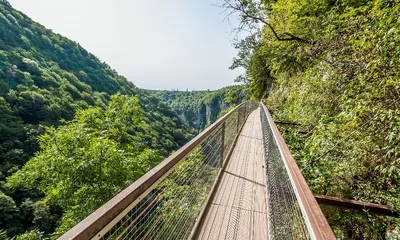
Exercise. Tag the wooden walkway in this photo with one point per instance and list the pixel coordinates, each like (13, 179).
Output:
(238, 209)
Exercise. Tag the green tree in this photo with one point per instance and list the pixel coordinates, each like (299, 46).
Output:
(11, 138)
(85, 163)
(8, 214)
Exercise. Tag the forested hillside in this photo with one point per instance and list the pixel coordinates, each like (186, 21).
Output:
(332, 69)
(200, 108)
(86, 129)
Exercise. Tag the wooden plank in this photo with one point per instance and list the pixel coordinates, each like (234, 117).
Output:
(208, 225)
(245, 227)
(229, 232)
(225, 223)
(358, 205)
(224, 163)
(220, 194)
(260, 188)
(240, 182)
(246, 200)
(242, 204)
(230, 191)
(254, 197)
(260, 224)
(218, 221)
(260, 227)
(223, 189)
(241, 197)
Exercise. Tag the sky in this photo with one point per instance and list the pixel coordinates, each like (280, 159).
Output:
(156, 44)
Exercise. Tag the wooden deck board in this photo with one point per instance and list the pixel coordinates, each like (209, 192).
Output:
(238, 209)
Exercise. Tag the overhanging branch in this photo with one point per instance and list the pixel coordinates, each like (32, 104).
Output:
(240, 7)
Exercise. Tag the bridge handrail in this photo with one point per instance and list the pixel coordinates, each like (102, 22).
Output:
(103, 217)
(316, 222)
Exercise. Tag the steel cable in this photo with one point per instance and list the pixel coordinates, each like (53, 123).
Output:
(210, 159)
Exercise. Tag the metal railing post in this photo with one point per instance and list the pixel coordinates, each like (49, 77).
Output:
(222, 145)
(238, 121)
(245, 110)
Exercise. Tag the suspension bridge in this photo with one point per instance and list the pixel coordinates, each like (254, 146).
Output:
(235, 180)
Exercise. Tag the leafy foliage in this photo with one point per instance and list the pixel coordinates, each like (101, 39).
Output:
(342, 88)
(8, 211)
(85, 163)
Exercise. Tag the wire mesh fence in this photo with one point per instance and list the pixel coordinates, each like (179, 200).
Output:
(285, 218)
(169, 211)
(172, 207)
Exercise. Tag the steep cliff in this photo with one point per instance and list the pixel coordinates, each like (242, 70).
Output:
(201, 108)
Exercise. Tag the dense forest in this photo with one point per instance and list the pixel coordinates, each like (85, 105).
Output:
(200, 108)
(65, 115)
(331, 67)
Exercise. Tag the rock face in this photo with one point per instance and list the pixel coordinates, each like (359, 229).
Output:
(206, 114)
(210, 112)
(201, 108)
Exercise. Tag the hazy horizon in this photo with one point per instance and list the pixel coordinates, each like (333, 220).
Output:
(156, 45)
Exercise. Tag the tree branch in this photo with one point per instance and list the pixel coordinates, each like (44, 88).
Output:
(240, 7)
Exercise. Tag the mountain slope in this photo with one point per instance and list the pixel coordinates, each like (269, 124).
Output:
(45, 79)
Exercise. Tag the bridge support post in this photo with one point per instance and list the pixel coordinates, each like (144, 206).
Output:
(222, 145)
(238, 120)
(245, 111)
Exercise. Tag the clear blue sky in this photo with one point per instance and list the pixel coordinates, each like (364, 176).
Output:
(156, 44)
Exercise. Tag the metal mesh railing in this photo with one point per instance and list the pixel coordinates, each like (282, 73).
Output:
(285, 218)
(171, 199)
(170, 210)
